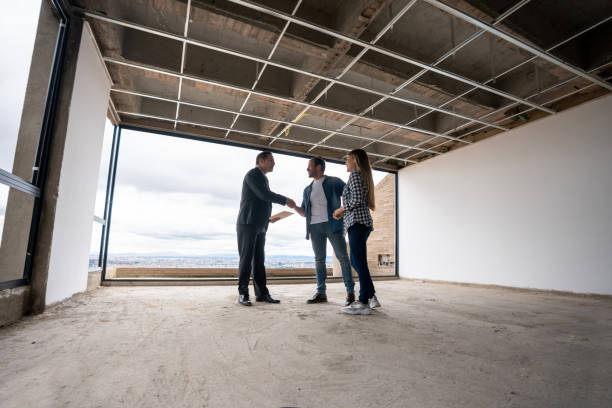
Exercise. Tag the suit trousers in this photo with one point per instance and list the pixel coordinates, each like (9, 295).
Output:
(251, 244)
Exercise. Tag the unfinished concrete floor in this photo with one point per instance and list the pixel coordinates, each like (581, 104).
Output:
(430, 345)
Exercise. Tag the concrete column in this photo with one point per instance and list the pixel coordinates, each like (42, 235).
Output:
(42, 250)
(78, 181)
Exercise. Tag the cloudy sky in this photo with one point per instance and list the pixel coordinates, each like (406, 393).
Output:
(179, 196)
(17, 30)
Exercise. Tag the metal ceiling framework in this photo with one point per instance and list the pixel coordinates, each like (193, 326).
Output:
(518, 114)
(402, 156)
(263, 69)
(196, 79)
(143, 115)
(203, 44)
(382, 32)
(450, 52)
(284, 122)
(480, 129)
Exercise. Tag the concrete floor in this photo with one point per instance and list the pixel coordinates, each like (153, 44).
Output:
(430, 345)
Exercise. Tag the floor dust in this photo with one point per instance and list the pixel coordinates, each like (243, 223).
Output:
(430, 345)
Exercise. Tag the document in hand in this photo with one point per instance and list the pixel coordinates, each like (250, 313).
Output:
(280, 216)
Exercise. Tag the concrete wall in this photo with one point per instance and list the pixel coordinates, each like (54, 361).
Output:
(528, 208)
(79, 175)
(13, 304)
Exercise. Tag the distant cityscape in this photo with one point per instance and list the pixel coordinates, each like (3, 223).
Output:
(209, 261)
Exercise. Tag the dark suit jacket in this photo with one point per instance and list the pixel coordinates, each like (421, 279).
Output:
(256, 200)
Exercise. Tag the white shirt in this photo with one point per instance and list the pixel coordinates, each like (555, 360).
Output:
(318, 203)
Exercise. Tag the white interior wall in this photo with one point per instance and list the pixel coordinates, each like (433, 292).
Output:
(79, 174)
(530, 208)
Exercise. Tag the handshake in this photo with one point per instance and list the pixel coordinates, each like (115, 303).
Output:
(291, 204)
(338, 213)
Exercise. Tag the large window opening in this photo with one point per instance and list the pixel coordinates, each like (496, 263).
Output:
(100, 209)
(176, 201)
(32, 39)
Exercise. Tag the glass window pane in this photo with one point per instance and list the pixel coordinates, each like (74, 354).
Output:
(176, 203)
(15, 215)
(24, 76)
(103, 173)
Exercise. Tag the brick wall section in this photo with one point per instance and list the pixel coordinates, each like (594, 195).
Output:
(382, 239)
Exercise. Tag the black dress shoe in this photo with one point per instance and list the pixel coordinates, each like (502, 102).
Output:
(244, 300)
(267, 298)
(318, 298)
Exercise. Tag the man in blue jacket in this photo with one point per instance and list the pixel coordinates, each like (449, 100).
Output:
(319, 201)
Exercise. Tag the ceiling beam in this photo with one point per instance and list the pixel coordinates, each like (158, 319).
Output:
(222, 128)
(259, 117)
(158, 70)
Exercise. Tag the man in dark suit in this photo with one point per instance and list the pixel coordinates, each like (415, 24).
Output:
(255, 210)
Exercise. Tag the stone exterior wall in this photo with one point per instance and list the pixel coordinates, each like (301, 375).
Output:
(381, 244)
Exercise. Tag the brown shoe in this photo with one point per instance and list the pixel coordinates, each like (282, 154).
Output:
(350, 298)
(318, 298)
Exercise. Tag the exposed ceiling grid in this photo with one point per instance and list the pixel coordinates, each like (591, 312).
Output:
(345, 70)
(513, 104)
(405, 80)
(263, 68)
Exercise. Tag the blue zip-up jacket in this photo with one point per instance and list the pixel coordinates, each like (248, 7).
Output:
(332, 187)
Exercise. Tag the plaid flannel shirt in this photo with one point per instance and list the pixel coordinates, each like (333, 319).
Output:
(355, 200)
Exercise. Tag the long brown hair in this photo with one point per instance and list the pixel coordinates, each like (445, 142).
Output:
(363, 165)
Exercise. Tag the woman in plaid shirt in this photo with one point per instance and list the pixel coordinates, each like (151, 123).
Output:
(358, 199)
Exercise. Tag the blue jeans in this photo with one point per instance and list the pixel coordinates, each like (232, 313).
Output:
(358, 235)
(319, 234)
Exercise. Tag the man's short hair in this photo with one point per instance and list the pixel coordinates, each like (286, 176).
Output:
(262, 156)
(317, 161)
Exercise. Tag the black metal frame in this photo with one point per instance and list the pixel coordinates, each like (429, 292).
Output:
(108, 204)
(110, 193)
(36, 187)
(12, 284)
(396, 225)
(103, 220)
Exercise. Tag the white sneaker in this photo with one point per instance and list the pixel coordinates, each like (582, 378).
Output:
(374, 302)
(357, 308)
